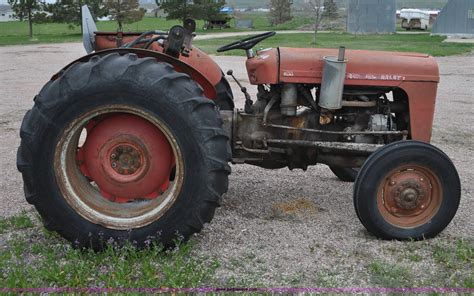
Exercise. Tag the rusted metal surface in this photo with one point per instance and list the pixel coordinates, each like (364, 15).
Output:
(409, 196)
(370, 68)
(359, 104)
(325, 119)
(109, 40)
(330, 146)
(305, 65)
(119, 155)
(417, 75)
(328, 132)
(264, 68)
(126, 159)
(196, 59)
(87, 198)
(421, 100)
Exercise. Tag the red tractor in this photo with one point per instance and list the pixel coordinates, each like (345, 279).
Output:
(133, 141)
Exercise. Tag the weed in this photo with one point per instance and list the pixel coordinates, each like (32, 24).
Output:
(457, 262)
(22, 221)
(326, 280)
(389, 275)
(415, 257)
(53, 262)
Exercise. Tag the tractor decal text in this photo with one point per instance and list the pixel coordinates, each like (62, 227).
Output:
(359, 76)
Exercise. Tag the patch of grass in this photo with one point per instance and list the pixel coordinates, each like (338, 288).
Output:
(236, 263)
(45, 38)
(326, 280)
(16, 32)
(389, 275)
(294, 280)
(248, 280)
(461, 254)
(21, 221)
(458, 262)
(51, 262)
(424, 43)
(415, 257)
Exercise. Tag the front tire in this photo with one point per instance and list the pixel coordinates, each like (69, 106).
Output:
(126, 149)
(407, 190)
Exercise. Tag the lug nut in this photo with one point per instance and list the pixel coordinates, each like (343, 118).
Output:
(113, 156)
(114, 165)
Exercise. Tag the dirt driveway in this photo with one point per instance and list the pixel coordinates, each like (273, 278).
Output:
(319, 241)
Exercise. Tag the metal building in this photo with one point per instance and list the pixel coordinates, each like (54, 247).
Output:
(371, 16)
(456, 18)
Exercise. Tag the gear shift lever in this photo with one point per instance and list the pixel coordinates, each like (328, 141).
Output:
(248, 99)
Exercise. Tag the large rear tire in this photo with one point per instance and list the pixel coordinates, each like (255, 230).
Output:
(123, 148)
(345, 174)
(407, 190)
(225, 97)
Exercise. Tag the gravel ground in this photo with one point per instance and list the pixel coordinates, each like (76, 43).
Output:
(276, 227)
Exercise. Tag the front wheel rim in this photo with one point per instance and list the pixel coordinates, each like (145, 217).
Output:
(89, 198)
(409, 196)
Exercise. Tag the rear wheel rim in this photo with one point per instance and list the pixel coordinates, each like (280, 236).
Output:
(409, 196)
(126, 161)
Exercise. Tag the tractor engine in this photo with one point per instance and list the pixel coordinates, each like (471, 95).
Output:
(288, 124)
(298, 124)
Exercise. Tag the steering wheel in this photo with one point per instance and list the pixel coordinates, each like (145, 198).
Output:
(247, 43)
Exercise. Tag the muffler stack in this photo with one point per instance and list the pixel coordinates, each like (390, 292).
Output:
(332, 85)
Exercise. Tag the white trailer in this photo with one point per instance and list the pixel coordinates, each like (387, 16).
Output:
(415, 19)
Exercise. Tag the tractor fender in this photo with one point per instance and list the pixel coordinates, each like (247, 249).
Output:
(178, 65)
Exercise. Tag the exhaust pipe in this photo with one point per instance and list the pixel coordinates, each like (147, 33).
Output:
(332, 85)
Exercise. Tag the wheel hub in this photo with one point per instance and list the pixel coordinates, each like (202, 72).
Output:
(127, 157)
(409, 195)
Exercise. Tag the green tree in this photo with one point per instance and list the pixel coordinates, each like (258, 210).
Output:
(330, 9)
(125, 11)
(197, 9)
(280, 11)
(25, 9)
(316, 7)
(69, 11)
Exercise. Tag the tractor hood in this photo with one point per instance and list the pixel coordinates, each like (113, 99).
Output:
(305, 65)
